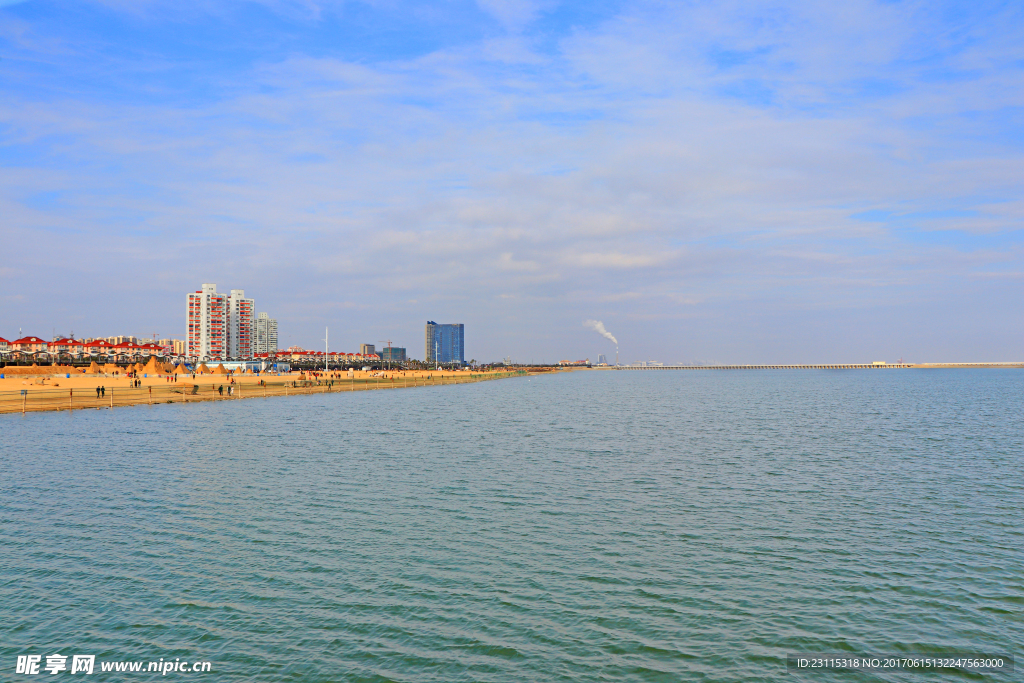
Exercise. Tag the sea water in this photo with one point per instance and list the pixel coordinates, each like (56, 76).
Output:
(586, 526)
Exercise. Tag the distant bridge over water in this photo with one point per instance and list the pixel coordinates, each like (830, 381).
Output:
(819, 366)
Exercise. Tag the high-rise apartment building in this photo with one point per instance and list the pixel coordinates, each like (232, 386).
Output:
(207, 331)
(207, 323)
(266, 334)
(445, 343)
(367, 349)
(393, 354)
(220, 326)
(241, 325)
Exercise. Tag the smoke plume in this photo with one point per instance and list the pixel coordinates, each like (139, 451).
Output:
(598, 327)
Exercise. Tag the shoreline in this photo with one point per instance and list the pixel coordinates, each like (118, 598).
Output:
(818, 366)
(36, 393)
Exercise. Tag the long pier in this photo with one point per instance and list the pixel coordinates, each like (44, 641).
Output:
(819, 366)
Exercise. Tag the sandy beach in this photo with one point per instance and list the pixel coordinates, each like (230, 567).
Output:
(91, 381)
(78, 391)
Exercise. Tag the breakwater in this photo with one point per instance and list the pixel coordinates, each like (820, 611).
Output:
(35, 399)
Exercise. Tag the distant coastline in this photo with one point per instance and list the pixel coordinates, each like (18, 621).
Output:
(816, 366)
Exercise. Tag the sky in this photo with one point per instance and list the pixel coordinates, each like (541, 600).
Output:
(735, 182)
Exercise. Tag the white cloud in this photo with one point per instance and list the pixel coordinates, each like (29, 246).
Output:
(514, 14)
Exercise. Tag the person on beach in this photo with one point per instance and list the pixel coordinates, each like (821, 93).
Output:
(103, 391)
(97, 392)
(221, 389)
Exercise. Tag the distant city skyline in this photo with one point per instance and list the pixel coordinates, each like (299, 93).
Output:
(746, 182)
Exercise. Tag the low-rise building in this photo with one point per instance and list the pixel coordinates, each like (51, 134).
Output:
(30, 345)
(67, 347)
(99, 347)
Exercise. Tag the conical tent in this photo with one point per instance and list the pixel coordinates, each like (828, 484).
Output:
(181, 370)
(220, 370)
(203, 370)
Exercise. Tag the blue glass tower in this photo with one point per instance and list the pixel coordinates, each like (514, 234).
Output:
(445, 343)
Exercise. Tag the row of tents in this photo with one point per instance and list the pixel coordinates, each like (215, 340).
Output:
(156, 367)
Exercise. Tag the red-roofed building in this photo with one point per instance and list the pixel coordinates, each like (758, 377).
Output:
(152, 350)
(68, 347)
(99, 346)
(29, 345)
(5, 345)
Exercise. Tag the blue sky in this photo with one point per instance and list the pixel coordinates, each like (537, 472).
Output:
(732, 182)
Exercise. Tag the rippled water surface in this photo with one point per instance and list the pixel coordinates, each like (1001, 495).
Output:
(590, 526)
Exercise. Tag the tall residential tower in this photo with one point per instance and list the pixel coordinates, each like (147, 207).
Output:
(266, 334)
(220, 326)
(207, 323)
(241, 325)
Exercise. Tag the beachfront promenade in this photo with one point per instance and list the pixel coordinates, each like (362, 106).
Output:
(36, 398)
